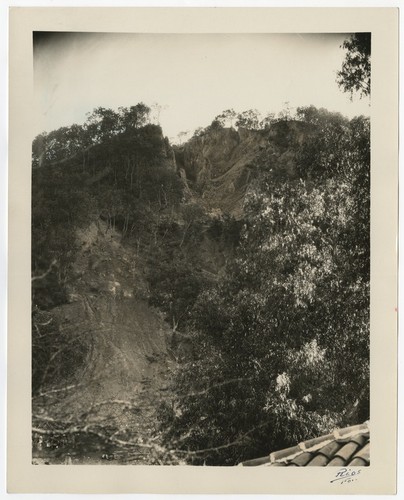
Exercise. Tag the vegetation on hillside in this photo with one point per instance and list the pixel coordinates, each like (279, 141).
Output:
(116, 167)
(283, 338)
(279, 333)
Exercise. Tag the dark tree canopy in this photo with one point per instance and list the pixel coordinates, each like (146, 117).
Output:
(355, 72)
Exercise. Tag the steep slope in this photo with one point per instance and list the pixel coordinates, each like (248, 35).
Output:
(127, 366)
(219, 163)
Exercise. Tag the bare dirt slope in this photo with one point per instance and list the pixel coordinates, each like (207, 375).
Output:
(127, 364)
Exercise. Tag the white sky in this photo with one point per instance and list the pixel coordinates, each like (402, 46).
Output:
(194, 77)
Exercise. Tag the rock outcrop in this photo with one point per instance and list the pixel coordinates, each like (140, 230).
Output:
(217, 164)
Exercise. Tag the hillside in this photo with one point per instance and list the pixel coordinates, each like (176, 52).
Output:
(128, 359)
(186, 299)
(220, 163)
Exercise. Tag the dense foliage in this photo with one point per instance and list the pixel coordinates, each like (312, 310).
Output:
(283, 338)
(115, 167)
(354, 75)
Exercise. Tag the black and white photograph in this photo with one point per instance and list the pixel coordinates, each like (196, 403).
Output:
(202, 250)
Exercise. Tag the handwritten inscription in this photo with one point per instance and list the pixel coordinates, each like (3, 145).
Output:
(346, 475)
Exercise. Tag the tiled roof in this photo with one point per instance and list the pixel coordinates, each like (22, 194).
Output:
(349, 446)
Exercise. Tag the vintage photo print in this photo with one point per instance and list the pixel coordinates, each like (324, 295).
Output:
(203, 217)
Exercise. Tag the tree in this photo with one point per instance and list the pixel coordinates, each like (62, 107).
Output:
(102, 123)
(174, 285)
(249, 119)
(156, 109)
(182, 136)
(326, 147)
(58, 352)
(283, 338)
(39, 150)
(198, 132)
(227, 118)
(354, 75)
(134, 117)
(268, 120)
(286, 113)
(217, 124)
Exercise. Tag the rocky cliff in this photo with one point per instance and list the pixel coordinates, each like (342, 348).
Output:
(218, 164)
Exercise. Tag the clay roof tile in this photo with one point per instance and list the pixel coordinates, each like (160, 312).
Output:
(349, 446)
(278, 464)
(364, 453)
(310, 443)
(302, 459)
(282, 454)
(336, 462)
(347, 451)
(360, 439)
(256, 461)
(319, 461)
(358, 462)
(330, 449)
(351, 431)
